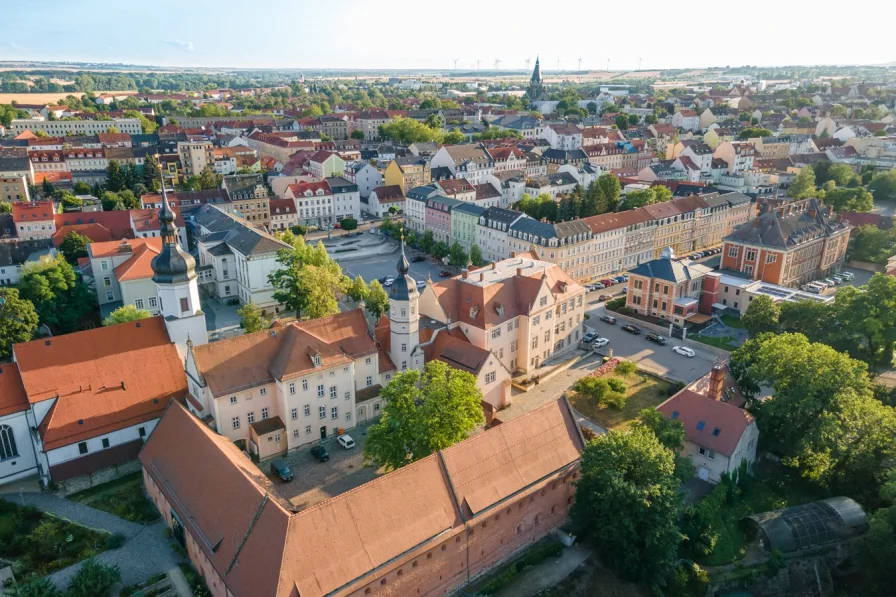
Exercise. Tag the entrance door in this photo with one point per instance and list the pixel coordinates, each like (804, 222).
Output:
(177, 530)
(703, 473)
(323, 432)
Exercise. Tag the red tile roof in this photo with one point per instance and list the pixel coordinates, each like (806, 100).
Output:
(12, 393)
(95, 232)
(693, 409)
(101, 380)
(36, 211)
(118, 223)
(389, 193)
(139, 265)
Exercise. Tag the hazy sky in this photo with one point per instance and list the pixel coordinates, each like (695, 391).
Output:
(426, 34)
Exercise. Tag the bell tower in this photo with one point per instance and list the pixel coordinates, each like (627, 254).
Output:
(404, 318)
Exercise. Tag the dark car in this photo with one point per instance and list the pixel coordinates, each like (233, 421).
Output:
(589, 337)
(655, 338)
(445, 274)
(631, 329)
(418, 259)
(320, 453)
(608, 319)
(281, 470)
(605, 297)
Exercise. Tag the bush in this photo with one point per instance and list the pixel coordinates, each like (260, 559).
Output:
(615, 304)
(675, 388)
(114, 541)
(299, 230)
(37, 586)
(687, 580)
(617, 385)
(348, 224)
(615, 400)
(93, 580)
(626, 368)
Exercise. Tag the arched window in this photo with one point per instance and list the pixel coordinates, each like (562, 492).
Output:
(7, 443)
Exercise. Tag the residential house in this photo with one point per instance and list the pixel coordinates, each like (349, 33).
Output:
(415, 206)
(686, 119)
(457, 188)
(283, 214)
(249, 197)
(196, 156)
(324, 164)
(364, 175)
(408, 172)
(565, 137)
(472, 162)
(493, 230)
(438, 216)
(34, 220)
(464, 224)
(346, 198)
(14, 189)
(123, 273)
(666, 288)
(383, 198)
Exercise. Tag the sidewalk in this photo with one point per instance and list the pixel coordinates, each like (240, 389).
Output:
(546, 574)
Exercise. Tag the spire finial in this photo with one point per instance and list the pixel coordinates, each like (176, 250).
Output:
(403, 265)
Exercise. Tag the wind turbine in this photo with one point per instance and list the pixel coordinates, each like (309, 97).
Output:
(608, 65)
(558, 65)
(580, 64)
(477, 63)
(455, 63)
(528, 60)
(639, 63)
(497, 63)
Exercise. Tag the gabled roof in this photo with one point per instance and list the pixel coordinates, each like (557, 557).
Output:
(239, 235)
(800, 222)
(709, 423)
(13, 398)
(671, 270)
(456, 352)
(389, 193)
(102, 379)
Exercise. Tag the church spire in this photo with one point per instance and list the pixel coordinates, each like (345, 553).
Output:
(172, 265)
(403, 265)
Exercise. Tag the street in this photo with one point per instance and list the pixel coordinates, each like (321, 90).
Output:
(379, 266)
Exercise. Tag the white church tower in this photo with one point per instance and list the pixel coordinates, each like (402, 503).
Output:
(404, 319)
(174, 273)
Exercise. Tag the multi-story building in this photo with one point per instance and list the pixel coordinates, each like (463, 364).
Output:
(464, 224)
(666, 288)
(370, 121)
(567, 244)
(123, 273)
(13, 189)
(346, 198)
(283, 214)
(196, 156)
(325, 202)
(364, 175)
(235, 258)
(788, 245)
(438, 216)
(408, 172)
(608, 243)
(563, 136)
(324, 164)
(48, 160)
(249, 197)
(415, 206)
(34, 220)
(492, 233)
(472, 162)
(67, 128)
(383, 199)
(523, 310)
(16, 166)
(738, 155)
(670, 228)
(334, 126)
(87, 159)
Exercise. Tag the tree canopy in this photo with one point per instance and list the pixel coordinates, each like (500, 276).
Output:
(60, 298)
(74, 247)
(761, 316)
(18, 321)
(126, 313)
(754, 132)
(308, 280)
(423, 414)
(408, 130)
(870, 243)
(251, 318)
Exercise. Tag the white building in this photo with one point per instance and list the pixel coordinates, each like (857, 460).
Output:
(364, 175)
(68, 128)
(492, 232)
(465, 161)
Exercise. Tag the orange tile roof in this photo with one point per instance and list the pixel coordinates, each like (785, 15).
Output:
(693, 408)
(456, 351)
(139, 265)
(95, 232)
(102, 379)
(111, 248)
(12, 393)
(36, 211)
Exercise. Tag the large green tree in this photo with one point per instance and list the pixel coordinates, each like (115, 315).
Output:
(803, 185)
(457, 256)
(476, 256)
(150, 174)
(628, 503)
(251, 318)
(423, 414)
(60, 298)
(74, 247)
(408, 130)
(754, 132)
(308, 280)
(761, 316)
(126, 313)
(870, 243)
(377, 300)
(840, 199)
(93, 580)
(116, 180)
(18, 321)
(883, 185)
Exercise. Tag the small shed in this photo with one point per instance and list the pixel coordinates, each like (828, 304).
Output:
(809, 525)
(267, 438)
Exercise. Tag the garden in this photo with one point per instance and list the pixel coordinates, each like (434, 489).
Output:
(614, 400)
(41, 544)
(124, 497)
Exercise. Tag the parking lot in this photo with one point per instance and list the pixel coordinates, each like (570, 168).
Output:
(860, 278)
(316, 481)
(377, 267)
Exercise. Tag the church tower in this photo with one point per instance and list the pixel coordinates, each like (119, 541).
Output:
(174, 273)
(536, 85)
(404, 319)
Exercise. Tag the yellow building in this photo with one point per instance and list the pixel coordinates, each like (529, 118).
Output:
(408, 173)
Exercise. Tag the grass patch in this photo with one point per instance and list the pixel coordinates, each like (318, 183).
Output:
(122, 497)
(41, 544)
(724, 342)
(732, 321)
(643, 391)
(547, 548)
(775, 491)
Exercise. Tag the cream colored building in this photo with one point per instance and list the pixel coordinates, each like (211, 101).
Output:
(195, 156)
(123, 273)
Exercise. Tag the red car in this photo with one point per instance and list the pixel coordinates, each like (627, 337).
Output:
(608, 282)
(445, 274)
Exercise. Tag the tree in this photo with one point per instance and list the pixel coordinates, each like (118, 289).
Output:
(754, 132)
(849, 200)
(115, 177)
(348, 224)
(870, 243)
(633, 120)
(454, 137)
(628, 504)
(420, 420)
(408, 130)
(639, 198)
(440, 250)
(661, 194)
(761, 316)
(457, 256)
(883, 185)
(621, 122)
(37, 586)
(357, 289)
(150, 174)
(74, 247)
(670, 433)
(149, 126)
(803, 185)
(877, 549)
(357, 134)
(598, 391)
(5, 207)
(609, 191)
(308, 281)
(651, 119)
(18, 321)
(208, 179)
(126, 313)
(476, 256)
(47, 190)
(251, 318)
(93, 580)
(377, 300)
(60, 298)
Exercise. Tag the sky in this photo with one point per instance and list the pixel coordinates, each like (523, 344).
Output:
(405, 34)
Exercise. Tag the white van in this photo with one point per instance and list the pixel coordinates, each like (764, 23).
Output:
(813, 288)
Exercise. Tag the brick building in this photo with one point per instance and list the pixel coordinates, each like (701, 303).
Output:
(473, 506)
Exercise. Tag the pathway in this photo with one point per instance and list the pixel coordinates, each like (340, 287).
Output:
(546, 574)
(146, 551)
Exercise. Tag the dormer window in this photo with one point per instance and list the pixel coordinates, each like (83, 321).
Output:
(316, 360)
(473, 312)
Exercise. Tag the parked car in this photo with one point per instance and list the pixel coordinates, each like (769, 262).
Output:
(600, 342)
(608, 319)
(631, 329)
(608, 282)
(418, 259)
(346, 441)
(589, 337)
(445, 274)
(280, 470)
(625, 290)
(421, 284)
(605, 297)
(847, 275)
(598, 286)
(684, 351)
(320, 453)
(830, 282)
(656, 338)
(389, 281)
(813, 288)
(839, 279)
(620, 279)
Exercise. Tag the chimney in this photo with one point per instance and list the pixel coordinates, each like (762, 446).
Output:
(464, 273)
(519, 272)
(123, 387)
(756, 223)
(482, 277)
(494, 265)
(716, 381)
(512, 254)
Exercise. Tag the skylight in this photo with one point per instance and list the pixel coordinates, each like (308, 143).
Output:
(700, 425)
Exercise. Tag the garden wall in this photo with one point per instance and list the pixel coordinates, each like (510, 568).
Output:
(104, 475)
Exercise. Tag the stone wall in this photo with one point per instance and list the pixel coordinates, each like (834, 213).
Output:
(104, 475)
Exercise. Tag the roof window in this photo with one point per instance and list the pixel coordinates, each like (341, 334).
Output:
(700, 425)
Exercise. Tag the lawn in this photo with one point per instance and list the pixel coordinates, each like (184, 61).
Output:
(724, 342)
(732, 322)
(122, 497)
(42, 544)
(775, 490)
(644, 391)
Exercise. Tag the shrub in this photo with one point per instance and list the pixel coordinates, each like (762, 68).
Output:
(617, 384)
(776, 563)
(626, 368)
(93, 580)
(114, 541)
(299, 230)
(615, 400)
(348, 224)
(675, 388)
(615, 304)
(37, 586)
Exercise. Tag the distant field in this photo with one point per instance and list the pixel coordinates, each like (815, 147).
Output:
(39, 98)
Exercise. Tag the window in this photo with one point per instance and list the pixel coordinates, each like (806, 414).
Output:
(104, 265)
(110, 296)
(700, 425)
(138, 303)
(674, 414)
(307, 429)
(332, 391)
(153, 302)
(321, 412)
(543, 301)
(304, 384)
(404, 348)
(367, 361)
(295, 414)
(334, 412)
(369, 380)
(233, 399)
(732, 251)
(235, 421)
(771, 258)
(490, 377)
(264, 413)
(141, 431)
(376, 407)
(716, 432)
(320, 390)
(295, 434)
(105, 442)
(184, 305)
(496, 333)
(348, 416)
(107, 281)
(307, 410)
(82, 448)
(250, 418)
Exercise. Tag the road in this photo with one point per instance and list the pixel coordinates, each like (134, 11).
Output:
(379, 266)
